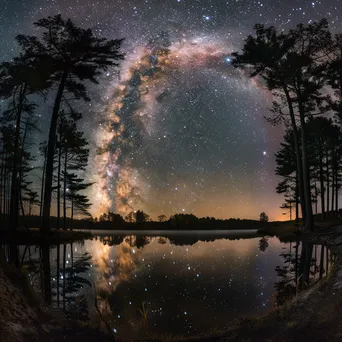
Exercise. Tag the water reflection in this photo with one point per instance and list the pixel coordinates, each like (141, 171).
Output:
(148, 286)
(304, 264)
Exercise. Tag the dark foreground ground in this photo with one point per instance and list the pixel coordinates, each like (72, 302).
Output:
(315, 315)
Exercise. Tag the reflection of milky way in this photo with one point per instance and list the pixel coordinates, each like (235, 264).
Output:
(149, 80)
(187, 286)
(113, 266)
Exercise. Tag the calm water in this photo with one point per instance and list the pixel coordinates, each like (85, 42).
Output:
(175, 284)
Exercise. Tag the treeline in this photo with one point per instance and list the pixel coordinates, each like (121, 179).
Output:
(113, 221)
(140, 220)
(52, 68)
(303, 70)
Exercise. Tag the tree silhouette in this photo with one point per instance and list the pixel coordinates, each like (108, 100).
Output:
(262, 56)
(19, 79)
(263, 244)
(162, 218)
(286, 168)
(141, 217)
(291, 66)
(263, 217)
(324, 141)
(73, 55)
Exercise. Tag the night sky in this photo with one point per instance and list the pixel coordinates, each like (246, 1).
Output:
(190, 135)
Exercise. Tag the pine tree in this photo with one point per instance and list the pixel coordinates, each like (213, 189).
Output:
(79, 202)
(73, 55)
(291, 66)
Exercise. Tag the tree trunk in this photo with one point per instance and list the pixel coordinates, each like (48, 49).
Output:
(72, 212)
(46, 273)
(328, 183)
(298, 154)
(305, 261)
(316, 195)
(59, 182)
(321, 181)
(64, 262)
(14, 202)
(65, 188)
(43, 180)
(45, 227)
(296, 198)
(336, 195)
(5, 191)
(72, 255)
(305, 162)
(20, 179)
(1, 184)
(58, 273)
(306, 178)
(296, 262)
(333, 188)
(321, 263)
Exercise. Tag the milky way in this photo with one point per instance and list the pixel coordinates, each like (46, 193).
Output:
(178, 129)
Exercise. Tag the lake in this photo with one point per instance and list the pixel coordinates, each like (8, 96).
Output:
(159, 284)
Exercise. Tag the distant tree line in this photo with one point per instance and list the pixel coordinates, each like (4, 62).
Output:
(141, 220)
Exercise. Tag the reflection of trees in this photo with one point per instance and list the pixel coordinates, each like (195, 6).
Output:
(138, 241)
(61, 284)
(184, 240)
(162, 240)
(141, 241)
(263, 244)
(70, 282)
(300, 269)
(180, 239)
(113, 240)
(46, 274)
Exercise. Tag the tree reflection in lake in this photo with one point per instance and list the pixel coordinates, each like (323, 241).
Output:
(303, 265)
(263, 244)
(60, 279)
(172, 284)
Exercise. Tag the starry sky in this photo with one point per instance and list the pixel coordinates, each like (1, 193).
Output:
(185, 132)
